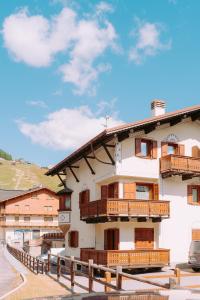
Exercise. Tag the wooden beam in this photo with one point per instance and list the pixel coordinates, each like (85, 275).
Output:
(175, 121)
(150, 128)
(77, 180)
(63, 182)
(110, 146)
(109, 155)
(89, 165)
(196, 116)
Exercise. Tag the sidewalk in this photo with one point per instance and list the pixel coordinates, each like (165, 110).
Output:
(9, 277)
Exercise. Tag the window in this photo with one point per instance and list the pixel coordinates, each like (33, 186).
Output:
(16, 218)
(111, 239)
(73, 239)
(168, 148)
(36, 234)
(48, 219)
(143, 192)
(146, 148)
(27, 207)
(48, 208)
(27, 219)
(194, 194)
(110, 191)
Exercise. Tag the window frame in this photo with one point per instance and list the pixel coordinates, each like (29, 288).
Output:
(190, 188)
(152, 146)
(73, 239)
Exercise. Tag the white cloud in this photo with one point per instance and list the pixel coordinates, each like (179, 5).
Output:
(148, 41)
(36, 41)
(66, 129)
(103, 7)
(37, 103)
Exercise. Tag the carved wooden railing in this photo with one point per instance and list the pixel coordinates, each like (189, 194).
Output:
(178, 163)
(132, 258)
(124, 207)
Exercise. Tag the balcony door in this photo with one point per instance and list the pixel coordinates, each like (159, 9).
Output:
(111, 239)
(144, 238)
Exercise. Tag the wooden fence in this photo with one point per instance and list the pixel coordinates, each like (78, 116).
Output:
(32, 263)
(69, 267)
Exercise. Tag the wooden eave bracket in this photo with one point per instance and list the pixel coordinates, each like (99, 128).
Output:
(59, 176)
(176, 120)
(195, 116)
(88, 164)
(107, 152)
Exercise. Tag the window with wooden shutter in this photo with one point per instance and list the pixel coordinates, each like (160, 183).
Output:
(193, 194)
(113, 190)
(73, 239)
(130, 190)
(111, 239)
(145, 148)
(144, 191)
(144, 238)
(164, 149)
(168, 148)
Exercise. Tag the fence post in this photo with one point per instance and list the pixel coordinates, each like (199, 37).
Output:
(48, 263)
(37, 265)
(72, 272)
(177, 274)
(58, 268)
(91, 274)
(108, 280)
(119, 278)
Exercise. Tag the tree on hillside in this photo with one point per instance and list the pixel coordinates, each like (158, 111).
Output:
(5, 155)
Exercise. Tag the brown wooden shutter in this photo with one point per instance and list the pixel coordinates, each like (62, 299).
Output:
(104, 192)
(69, 238)
(164, 148)
(155, 191)
(195, 151)
(154, 149)
(137, 147)
(181, 149)
(106, 239)
(116, 239)
(195, 234)
(76, 239)
(189, 193)
(116, 189)
(87, 196)
(130, 190)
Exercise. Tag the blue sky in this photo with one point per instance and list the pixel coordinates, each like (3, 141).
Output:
(65, 65)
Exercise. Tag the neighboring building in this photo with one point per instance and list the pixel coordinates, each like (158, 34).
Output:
(136, 191)
(27, 214)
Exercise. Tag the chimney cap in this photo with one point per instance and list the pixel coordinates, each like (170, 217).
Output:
(158, 103)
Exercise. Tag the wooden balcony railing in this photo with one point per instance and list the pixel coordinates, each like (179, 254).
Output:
(124, 207)
(179, 165)
(129, 258)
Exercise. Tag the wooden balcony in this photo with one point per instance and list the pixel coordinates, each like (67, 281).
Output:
(110, 209)
(127, 258)
(185, 166)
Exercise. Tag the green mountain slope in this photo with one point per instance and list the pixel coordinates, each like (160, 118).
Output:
(19, 175)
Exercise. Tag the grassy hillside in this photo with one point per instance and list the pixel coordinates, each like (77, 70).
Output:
(24, 176)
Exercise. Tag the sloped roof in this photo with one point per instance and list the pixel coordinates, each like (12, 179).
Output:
(11, 194)
(109, 133)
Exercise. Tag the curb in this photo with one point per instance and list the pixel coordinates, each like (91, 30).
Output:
(15, 289)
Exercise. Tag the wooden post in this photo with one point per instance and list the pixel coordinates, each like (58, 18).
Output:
(108, 280)
(91, 274)
(177, 274)
(37, 265)
(119, 278)
(58, 268)
(72, 272)
(49, 261)
(33, 264)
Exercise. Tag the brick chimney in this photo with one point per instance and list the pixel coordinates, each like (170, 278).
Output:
(157, 107)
